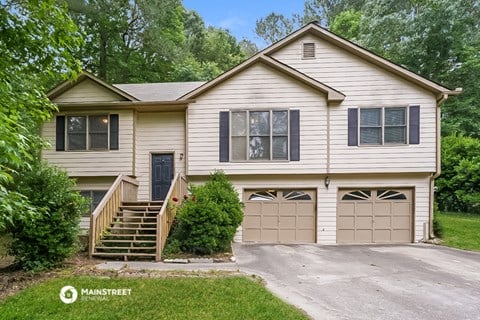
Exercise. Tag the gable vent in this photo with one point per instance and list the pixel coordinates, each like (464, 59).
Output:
(309, 50)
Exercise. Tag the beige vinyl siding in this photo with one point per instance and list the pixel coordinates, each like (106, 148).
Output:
(94, 163)
(87, 91)
(257, 88)
(327, 198)
(161, 132)
(366, 85)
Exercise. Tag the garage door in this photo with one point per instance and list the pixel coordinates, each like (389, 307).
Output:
(374, 216)
(283, 216)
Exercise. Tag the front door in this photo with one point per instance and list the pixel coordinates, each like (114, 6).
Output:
(162, 175)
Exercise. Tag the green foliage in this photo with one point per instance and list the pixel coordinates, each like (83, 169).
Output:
(151, 41)
(36, 43)
(437, 224)
(48, 236)
(347, 24)
(459, 184)
(209, 219)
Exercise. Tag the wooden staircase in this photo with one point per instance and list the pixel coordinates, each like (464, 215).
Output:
(132, 233)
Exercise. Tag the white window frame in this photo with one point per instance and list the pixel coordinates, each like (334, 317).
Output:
(247, 136)
(382, 127)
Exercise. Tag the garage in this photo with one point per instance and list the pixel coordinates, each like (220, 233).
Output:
(374, 216)
(279, 216)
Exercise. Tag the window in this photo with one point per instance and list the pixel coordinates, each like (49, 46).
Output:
(94, 197)
(92, 132)
(260, 135)
(383, 126)
(309, 50)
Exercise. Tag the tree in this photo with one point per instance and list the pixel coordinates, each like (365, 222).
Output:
(37, 40)
(274, 27)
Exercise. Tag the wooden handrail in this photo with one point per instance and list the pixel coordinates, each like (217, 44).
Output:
(124, 188)
(167, 213)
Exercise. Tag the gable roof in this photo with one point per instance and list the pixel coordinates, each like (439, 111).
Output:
(67, 85)
(164, 91)
(333, 95)
(330, 37)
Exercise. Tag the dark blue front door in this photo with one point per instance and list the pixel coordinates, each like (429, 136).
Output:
(162, 175)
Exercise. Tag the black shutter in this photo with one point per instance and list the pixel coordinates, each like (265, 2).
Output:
(294, 135)
(60, 134)
(353, 127)
(114, 132)
(414, 125)
(224, 136)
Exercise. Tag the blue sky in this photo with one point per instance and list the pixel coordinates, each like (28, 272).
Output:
(240, 16)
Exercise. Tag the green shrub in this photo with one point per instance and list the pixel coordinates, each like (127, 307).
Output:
(45, 239)
(208, 220)
(459, 184)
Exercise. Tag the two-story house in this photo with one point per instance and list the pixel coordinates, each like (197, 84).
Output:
(325, 141)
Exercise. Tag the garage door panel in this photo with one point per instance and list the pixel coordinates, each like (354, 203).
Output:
(346, 222)
(287, 208)
(269, 208)
(363, 236)
(374, 216)
(251, 234)
(382, 236)
(364, 209)
(383, 222)
(251, 221)
(306, 209)
(346, 209)
(305, 235)
(364, 223)
(252, 208)
(345, 236)
(286, 235)
(270, 222)
(305, 222)
(401, 222)
(287, 222)
(401, 236)
(381, 208)
(401, 208)
(269, 235)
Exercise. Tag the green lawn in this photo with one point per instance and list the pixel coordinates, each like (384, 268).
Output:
(460, 230)
(231, 297)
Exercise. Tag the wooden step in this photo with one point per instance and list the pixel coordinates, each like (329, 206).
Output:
(130, 223)
(125, 248)
(143, 203)
(128, 241)
(114, 254)
(140, 208)
(134, 236)
(141, 218)
(130, 228)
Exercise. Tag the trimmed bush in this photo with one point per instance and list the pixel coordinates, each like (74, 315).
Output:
(49, 236)
(209, 218)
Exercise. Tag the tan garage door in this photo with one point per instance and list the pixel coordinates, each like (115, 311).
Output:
(283, 216)
(374, 216)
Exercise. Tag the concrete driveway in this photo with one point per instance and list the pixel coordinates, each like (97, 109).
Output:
(369, 282)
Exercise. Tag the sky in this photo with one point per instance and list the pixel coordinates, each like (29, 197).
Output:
(239, 16)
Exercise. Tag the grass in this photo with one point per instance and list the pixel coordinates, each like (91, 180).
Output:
(460, 230)
(232, 297)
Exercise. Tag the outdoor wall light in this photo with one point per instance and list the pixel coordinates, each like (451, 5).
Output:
(326, 182)
(181, 156)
